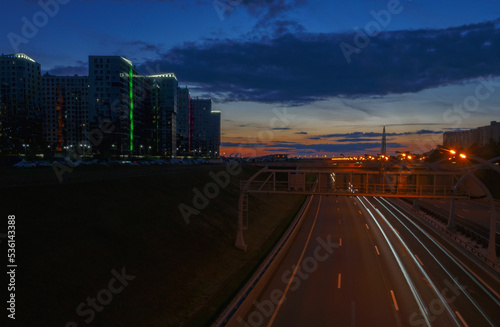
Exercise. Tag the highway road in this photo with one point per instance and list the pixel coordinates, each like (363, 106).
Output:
(475, 212)
(362, 262)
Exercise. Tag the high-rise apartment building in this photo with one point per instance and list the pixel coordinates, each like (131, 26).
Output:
(20, 110)
(117, 96)
(200, 122)
(114, 111)
(167, 112)
(204, 128)
(183, 121)
(66, 114)
(214, 136)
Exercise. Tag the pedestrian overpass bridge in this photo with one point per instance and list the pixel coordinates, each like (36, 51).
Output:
(381, 181)
(355, 181)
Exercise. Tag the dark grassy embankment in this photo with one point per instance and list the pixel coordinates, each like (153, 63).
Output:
(70, 237)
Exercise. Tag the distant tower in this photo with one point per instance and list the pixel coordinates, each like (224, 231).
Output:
(383, 150)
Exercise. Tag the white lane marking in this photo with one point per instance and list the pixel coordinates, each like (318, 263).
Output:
(394, 300)
(340, 277)
(367, 226)
(465, 210)
(282, 299)
(376, 249)
(360, 212)
(461, 319)
(419, 260)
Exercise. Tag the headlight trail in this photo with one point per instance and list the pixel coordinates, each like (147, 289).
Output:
(422, 270)
(414, 291)
(439, 263)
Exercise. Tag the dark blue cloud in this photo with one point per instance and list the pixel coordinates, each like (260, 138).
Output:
(304, 67)
(269, 9)
(330, 147)
(285, 146)
(356, 140)
(362, 136)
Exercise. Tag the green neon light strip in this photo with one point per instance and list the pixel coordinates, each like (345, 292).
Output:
(131, 89)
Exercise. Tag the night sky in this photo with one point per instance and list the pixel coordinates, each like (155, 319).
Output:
(302, 77)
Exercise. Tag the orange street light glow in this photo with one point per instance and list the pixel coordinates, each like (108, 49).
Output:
(463, 156)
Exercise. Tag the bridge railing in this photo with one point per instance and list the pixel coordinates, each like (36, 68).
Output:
(271, 186)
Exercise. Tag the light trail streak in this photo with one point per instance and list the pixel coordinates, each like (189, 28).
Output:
(413, 289)
(420, 268)
(440, 264)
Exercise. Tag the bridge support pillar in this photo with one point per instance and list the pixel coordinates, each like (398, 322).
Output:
(240, 242)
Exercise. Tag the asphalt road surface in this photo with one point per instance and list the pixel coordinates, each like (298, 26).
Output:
(362, 262)
(469, 211)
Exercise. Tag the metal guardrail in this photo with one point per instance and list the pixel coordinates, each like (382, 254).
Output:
(274, 257)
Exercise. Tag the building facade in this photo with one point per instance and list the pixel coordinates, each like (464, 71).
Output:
(117, 95)
(167, 112)
(114, 111)
(200, 125)
(214, 138)
(183, 121)
(204, 128)
(479, 136)
(65, 112)
(20, 110)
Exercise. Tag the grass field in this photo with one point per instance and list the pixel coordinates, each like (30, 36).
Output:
(69, 237)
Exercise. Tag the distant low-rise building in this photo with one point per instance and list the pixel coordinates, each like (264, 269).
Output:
(479, 136)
